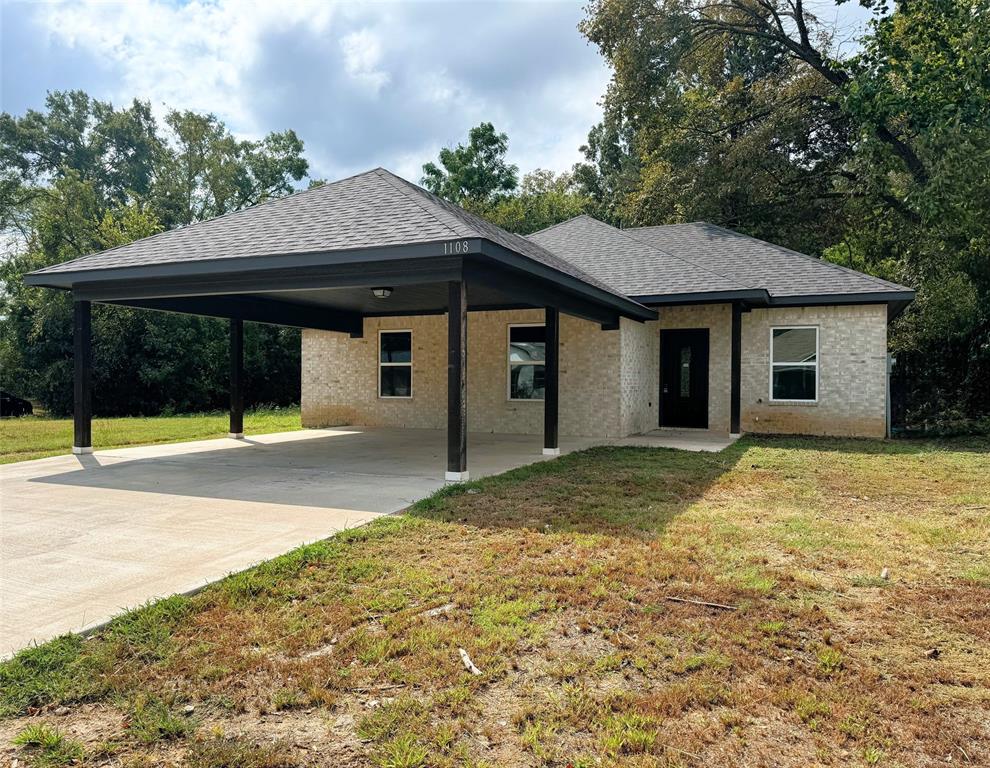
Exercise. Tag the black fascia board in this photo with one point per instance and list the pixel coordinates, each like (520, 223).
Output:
(819, 299)
(369, 274)
(621, 304)
(757, 297)
(228, 267)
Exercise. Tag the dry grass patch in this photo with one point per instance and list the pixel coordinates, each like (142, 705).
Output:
(555, 578)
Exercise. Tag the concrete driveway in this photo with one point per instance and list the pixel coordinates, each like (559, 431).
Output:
(84, 537)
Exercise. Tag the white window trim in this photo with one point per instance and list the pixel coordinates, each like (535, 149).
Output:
(509, 363)
(818, 336)
(409, 365)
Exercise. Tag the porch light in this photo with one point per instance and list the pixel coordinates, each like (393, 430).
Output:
(381, 293)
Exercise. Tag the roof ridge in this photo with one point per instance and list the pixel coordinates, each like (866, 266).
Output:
(473, 220)
(561, 223)
(625, 233)
(404, 190)
(825, 262)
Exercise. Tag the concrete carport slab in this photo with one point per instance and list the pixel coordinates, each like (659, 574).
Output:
(84, 537)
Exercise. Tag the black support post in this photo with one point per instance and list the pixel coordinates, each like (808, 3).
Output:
(456, 381)
(237, 379)
(735, 386)
(82, 360)
(551, 382)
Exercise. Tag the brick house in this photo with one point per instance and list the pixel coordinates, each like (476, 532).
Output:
(418, 314)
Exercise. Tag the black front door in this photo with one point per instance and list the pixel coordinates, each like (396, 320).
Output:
(684, 378)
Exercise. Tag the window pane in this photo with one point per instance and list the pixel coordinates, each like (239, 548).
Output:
(527, 343)
(526, 382)
(793, 382)
(396, 347)
(794, 345)
(685, 371)
(396, 381)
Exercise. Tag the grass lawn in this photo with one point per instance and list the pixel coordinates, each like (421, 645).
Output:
(35, 437)
(556, 580)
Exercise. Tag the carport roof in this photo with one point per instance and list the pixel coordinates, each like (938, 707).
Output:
(372, 210)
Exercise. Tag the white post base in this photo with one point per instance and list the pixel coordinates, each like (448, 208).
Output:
(735, 435)
(551, 451)
(235, 435)
(456, 477)
(79, 450)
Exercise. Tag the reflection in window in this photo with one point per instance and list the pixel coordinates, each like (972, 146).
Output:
(527, 362)
(685, 371)
(395, 364)
(794, 364)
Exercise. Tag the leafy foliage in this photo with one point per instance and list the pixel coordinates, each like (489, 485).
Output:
(83, 176)
(744, 113)
(476, 171)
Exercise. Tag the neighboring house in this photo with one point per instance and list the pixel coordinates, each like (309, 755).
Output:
(686, 325)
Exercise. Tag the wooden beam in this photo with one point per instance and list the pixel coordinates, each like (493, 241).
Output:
(255, 309)
(456, 381)
(525, 289)
(82, 363)
(551, 381)
(735, 377)
(237, 379)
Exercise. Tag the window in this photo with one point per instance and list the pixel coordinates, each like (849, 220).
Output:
(794, 364)
(395, 363)
(527, 362)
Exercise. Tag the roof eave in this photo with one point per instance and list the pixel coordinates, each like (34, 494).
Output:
(750, 296)
(623, 305)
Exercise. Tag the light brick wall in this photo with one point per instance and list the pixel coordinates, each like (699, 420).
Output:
(638, 376)
(718, 319)
(609, 380)
(852, 372)
(340, 384)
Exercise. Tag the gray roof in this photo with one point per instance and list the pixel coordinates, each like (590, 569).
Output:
(371, 210)
(631, 264)
(757, 263)
(378, 209)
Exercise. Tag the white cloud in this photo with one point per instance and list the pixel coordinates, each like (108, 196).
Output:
(363, 84)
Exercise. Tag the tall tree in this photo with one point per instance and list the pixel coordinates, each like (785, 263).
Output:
(743, 112)
(476, 171)
(543, 199)
(83, 176)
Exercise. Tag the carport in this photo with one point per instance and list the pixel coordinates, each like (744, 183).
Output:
(372, 245)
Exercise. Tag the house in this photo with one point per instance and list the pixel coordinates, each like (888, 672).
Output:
(419, 314)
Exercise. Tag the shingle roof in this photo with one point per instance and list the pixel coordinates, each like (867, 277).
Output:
(373, 209)
(631, 264)
(758, 264)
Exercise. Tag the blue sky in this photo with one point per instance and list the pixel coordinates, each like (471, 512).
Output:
(363, 84)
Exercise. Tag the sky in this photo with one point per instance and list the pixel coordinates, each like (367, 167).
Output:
(363, 84)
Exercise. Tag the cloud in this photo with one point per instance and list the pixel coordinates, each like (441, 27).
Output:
(363, 84)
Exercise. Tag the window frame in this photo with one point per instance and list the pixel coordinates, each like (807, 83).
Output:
(818, 337)
(509, 363)
(409, 365)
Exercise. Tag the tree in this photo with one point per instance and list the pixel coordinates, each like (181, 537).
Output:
(543, 199)
(743, 113)
(477, 171)
(81, 177)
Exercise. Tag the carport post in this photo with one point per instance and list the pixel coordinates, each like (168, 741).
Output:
(237, 379)
(456, 382)
(82, 363)
(551, 381)
(735, 370)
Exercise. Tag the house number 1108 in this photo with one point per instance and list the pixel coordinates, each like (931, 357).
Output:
(455, 246)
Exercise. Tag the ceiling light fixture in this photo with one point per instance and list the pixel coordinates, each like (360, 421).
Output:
(381, 293)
